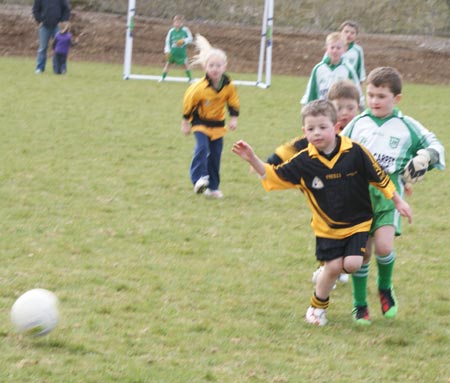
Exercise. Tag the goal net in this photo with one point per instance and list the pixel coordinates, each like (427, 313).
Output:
(264, 69)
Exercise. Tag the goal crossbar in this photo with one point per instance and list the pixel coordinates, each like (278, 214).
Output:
(263, 79)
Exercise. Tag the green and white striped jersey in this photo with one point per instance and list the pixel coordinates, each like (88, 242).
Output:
(355, 57)
(170, 45)
(324, 75)
(393, 140)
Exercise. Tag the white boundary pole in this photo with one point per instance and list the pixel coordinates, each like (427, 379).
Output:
(262, 46)
(269, 39)
(129, 39)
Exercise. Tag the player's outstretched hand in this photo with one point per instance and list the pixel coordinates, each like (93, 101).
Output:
(243, 150)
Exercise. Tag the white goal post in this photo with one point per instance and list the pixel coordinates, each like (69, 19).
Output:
(265, 52)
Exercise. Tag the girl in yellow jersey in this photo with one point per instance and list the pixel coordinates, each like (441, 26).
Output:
(204, 114)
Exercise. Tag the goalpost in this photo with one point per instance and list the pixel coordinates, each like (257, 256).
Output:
(265, 51)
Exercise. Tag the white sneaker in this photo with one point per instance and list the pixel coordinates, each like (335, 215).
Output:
(37, 71)
(201, 184)
(343, 278)
(316, 316)
(213, 193)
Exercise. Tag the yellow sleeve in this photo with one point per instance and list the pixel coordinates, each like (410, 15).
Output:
(190, 101)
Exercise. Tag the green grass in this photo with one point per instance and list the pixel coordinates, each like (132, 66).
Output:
(160, 285)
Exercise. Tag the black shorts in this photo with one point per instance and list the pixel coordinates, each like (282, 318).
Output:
(328, 249)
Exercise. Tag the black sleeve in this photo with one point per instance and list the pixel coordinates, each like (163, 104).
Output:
(65, 10)
(274, 160)
(37, 10)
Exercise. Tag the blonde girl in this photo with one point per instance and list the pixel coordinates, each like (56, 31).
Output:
(204, 115)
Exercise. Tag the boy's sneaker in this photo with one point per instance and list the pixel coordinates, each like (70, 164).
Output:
(361, 315)
(213, 193)
(201, 184)
(316, 316)
(316, 276)
(388, 301)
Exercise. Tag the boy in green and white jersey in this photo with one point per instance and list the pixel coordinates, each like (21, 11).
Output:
(175, 47)
(398, 143)
(354, 53)
(331, 69)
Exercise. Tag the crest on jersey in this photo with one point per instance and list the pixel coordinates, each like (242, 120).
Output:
(393, 142)
(317, 183)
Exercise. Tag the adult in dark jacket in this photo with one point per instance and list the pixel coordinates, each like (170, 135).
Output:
(48, 13)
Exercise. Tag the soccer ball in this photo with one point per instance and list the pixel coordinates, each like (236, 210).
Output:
(35, 312)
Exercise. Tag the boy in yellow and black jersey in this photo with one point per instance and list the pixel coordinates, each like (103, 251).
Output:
(334, 174)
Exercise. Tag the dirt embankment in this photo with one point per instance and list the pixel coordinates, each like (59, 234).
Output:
(102, 38)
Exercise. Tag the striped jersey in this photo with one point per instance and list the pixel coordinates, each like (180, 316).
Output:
(393, 140)
(170, 44)
(336, 186)
(204, 106)
(354, 55)
(324, 75)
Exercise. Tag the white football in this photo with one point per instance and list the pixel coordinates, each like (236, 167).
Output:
(35, 312)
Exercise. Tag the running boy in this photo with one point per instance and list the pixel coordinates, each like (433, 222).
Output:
(175, 47)
(330, 70)
(334, 173)
(344, 96)
(204, 114)
(401, 145)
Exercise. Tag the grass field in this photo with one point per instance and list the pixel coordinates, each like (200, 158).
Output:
(157, 284)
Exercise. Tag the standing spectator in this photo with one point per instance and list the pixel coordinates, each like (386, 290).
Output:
(48, 14)
(175, 47)
(61, 46)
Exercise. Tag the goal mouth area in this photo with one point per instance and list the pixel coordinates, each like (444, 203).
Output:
(263, 79)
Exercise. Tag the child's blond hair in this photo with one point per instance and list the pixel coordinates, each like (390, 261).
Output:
(320, 108)
(205, 52)
(333, 37)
